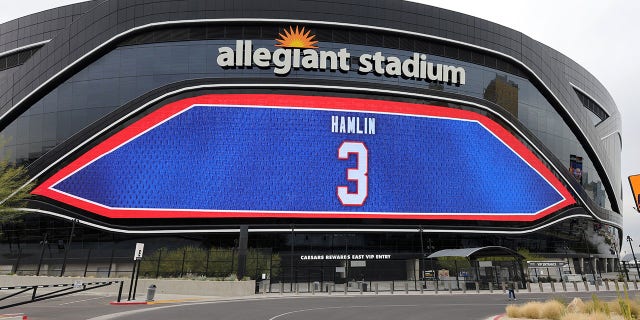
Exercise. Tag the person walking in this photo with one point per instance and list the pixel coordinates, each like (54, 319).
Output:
(510, 290)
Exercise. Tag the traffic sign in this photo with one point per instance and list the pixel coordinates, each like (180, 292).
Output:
(137, 255)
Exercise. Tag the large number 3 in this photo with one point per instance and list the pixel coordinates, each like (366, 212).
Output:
(358, 174)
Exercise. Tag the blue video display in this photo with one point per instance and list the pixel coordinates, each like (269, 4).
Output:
(324, 160)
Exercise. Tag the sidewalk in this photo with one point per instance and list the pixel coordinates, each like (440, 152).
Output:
(170, 298)
(606, 286)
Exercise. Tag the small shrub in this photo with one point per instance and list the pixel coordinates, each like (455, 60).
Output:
(592, 316)
(537, 310)
(614, 307)
(596, 309)
(531, 310)
(513, 311)
(231, 277)
(576, 306)
(625, 309)
(573, 316)
(596, 305)
(551, 309)
(635, 308)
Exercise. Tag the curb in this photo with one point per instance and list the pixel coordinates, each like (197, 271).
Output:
(13, 316)
(123, 303)
(174, 301)
(115, 303)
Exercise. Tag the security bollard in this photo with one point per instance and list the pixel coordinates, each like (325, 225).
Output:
(606, 284)
(393, 287)
(421, 289)
(516, 286)
(313, 290)
(281, 287)
(553, 287)
(361, 287)
(597, 285)
(575, 286)
(329, 289)
(297, 288)
(464, 287)
(564, 286)
(540, 286)
(635, 284)
(346, 288)
(376, 286)
(586, 286)
(449, 285)
(529, 286)
(615, 282)
(406, 288)
(504, 287)
(477, 287)
(151, 292)
(436, 288)
(491, 287)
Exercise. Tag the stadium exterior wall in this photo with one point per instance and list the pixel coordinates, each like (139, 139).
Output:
(75, 78)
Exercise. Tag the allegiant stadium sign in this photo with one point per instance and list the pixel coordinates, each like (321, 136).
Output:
(298, 53)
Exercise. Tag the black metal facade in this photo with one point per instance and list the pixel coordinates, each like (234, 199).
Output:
(60, 45)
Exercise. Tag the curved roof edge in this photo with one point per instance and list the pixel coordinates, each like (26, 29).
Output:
(479, 252)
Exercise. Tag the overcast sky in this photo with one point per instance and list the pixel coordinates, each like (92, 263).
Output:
(599, 35)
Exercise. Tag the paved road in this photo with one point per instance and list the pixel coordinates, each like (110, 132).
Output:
(382, 307)
(77, 306)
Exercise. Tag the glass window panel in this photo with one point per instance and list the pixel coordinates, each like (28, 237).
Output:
(22, 153)
(49, 125)
(65, 96)
(128, 72)
(64, 126)
(9, 134)
(22, 135)
(35, 128)
(35, 151)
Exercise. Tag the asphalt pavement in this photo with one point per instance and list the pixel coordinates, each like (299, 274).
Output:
(287, 307)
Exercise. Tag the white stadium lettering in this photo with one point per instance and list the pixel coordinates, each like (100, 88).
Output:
(285, 60)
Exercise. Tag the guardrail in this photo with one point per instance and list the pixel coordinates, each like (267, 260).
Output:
(79, 286)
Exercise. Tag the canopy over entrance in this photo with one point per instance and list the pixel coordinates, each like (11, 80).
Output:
(513, 270)
(475, 253)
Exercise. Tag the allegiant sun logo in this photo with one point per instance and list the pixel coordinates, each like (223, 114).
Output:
(296, 39)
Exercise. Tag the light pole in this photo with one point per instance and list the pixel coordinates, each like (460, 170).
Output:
(293, 237)
(424, 281)
(634, 255)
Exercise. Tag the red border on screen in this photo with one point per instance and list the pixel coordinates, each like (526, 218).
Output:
(155, 118)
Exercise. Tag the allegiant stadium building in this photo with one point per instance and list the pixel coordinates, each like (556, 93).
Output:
(347, 138)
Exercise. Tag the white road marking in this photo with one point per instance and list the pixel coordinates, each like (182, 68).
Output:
(62, 304)
(128, 313)
(343, 307)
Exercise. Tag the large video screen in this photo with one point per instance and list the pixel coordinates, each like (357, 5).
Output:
(290, 156)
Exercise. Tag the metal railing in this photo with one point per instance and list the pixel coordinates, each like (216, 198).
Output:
(59, 290)
(440, 287)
